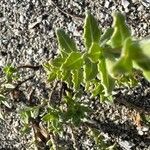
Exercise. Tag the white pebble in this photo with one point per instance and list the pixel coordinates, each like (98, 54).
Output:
(29, 51)
(2, 20)
(41, 51)
(140, 132)
(146, 3)
(125, 3)
(22, 19)
(125, 144)
(106, 4)
(145, 129)
(140, 8)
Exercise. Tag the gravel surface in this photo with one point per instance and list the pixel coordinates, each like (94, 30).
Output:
(27, 36)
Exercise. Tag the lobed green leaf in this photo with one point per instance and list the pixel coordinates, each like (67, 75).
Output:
(139, 51)
(66, 77)
(92, 32)
(52, 76)
(57, 62)
(73, 61)
(106, 80)
(77, 78)
(121, 31)
(49, 117)
(94, 52)
(106, 36)
(98, 89)
(66, 44)
(124, 64)
(90, 70)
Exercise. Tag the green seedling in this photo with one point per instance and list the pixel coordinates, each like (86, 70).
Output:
(108, 56)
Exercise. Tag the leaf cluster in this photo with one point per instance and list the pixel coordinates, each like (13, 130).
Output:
(10, 73)
(108, 57)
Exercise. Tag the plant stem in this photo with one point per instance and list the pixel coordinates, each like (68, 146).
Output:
(30, 66)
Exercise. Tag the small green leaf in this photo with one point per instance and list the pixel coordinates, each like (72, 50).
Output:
(106, 80)
(90, 70)
(110, 62)
(59, 74)
(98, 89)
(144, 63)
(91, 31)
(65, 74)
(25, 117)
(53, 120)
(124, 64)
(48, 117)
(25, 129)
(77, 78)
(110, 52)
(94, 52)
(57, 62)
(144, 59)
(139, 52)
(53, 72)
(75, 111)
(73, 61)
(52, 76)
(106, 36)
(145, 47)
(66, 44)
(147, 75)
(135, 51)
(47, 66)
(9, 70)
(66, 77)
(121, 31)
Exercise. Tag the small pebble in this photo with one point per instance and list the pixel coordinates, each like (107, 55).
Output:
(22, 19)
(140, 132)
(125, 3)
(106, 4)
(145, 129)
